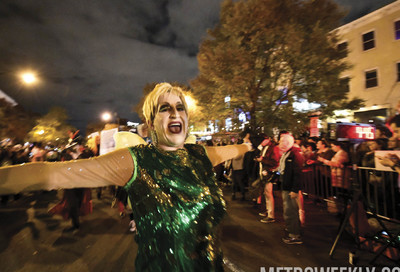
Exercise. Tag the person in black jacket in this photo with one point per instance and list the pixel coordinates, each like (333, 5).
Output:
(290, 166)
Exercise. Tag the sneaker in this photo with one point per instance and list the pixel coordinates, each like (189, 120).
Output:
(267, 220)
(292, 241)
(263, 214)
(75, 231)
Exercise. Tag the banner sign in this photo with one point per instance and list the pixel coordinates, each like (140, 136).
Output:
(107, 143)
(314, 131)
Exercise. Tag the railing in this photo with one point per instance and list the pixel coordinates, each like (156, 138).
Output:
(380, 189)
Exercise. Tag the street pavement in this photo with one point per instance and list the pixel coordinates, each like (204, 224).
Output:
(32, 240)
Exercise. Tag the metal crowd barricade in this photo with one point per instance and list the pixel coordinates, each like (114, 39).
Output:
(380, 189)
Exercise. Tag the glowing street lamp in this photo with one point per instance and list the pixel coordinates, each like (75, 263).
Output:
(28, 78)
(106, 116)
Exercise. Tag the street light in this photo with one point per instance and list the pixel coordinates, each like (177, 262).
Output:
(106, 116)
(28, 78)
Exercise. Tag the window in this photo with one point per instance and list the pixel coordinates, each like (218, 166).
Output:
(371, 79)
(368, 40)
(342, 46)
(345, 83)
(397, 30)
(398, 71)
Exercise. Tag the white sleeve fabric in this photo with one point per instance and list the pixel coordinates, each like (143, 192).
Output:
(114, 168)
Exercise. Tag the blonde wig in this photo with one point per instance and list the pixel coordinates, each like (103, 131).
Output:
(150, 106)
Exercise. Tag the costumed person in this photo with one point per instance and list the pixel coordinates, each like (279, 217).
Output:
(176, 202)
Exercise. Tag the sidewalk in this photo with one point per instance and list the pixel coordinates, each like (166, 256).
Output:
(254, 244)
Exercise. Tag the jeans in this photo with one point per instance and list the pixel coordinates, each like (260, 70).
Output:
(291, 214)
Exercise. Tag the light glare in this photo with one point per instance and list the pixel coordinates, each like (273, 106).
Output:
(106, 116)
(190, 101)
(28, 78)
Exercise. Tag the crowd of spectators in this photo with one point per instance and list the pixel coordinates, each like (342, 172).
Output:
(330, 160)
(257, 170)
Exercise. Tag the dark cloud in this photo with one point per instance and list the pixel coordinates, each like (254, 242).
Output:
(98, 55)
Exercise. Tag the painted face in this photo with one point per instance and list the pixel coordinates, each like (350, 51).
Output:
(170, 122)
(286, 142)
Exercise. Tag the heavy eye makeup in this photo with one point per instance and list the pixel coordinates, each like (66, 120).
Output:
(167, 107)
(164, 108)
(180, 107)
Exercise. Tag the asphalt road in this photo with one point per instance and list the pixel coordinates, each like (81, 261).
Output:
(32, 240)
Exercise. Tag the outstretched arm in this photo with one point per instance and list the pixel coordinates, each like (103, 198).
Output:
(219, 154)
(114, 168)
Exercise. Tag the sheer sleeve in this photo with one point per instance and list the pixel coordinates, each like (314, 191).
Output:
(114, 168)
(219, 154)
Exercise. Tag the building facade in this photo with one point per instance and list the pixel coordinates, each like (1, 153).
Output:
(373, 44)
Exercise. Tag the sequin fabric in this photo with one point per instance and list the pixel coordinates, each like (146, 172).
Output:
(177, 206)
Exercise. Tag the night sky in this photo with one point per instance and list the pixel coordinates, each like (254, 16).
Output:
(96, 56)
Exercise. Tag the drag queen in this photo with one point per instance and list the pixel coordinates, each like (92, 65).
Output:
(176, 202)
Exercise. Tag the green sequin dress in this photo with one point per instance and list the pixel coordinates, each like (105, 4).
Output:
(177, 206)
